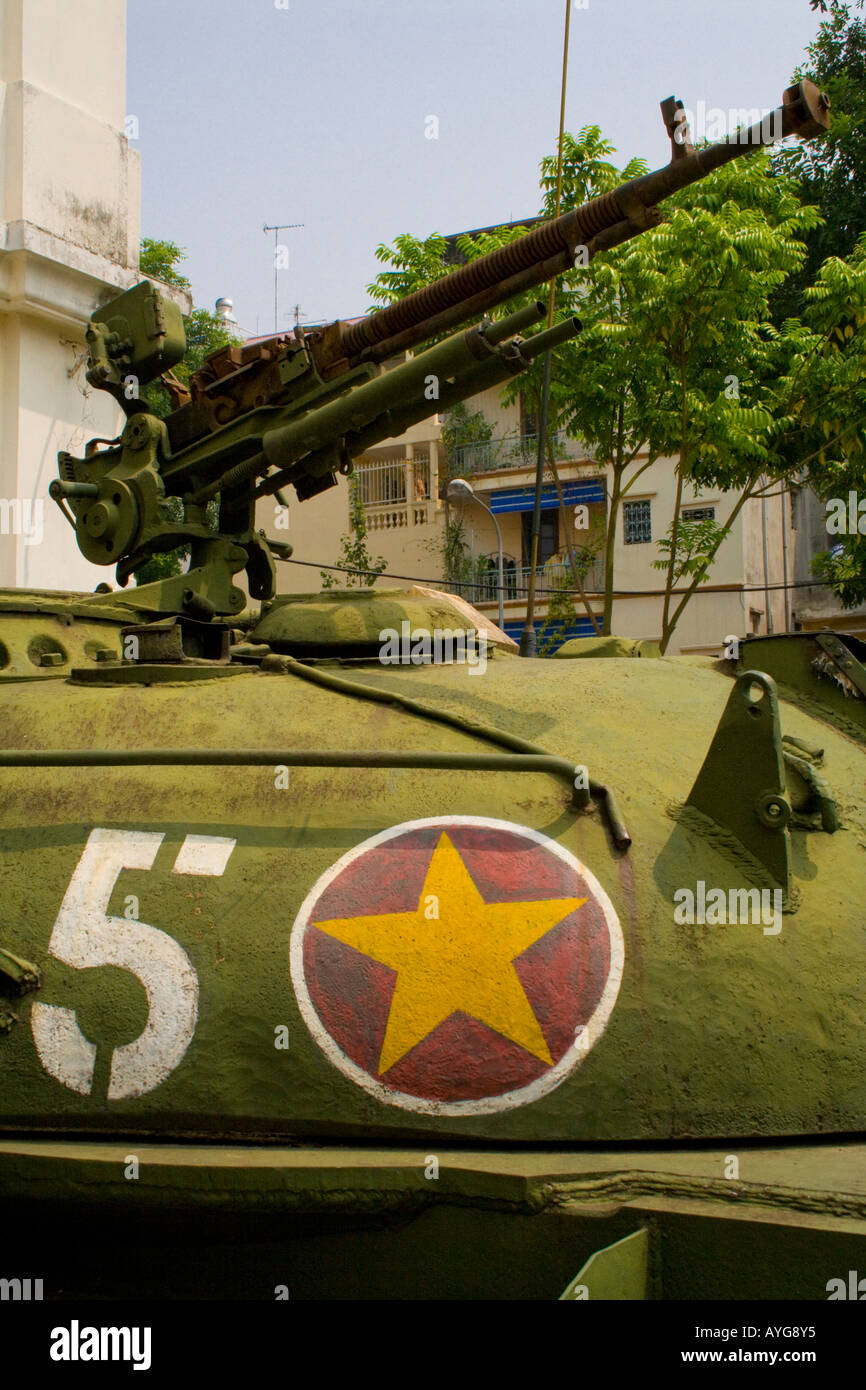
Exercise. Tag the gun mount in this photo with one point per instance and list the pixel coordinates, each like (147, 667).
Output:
(296, 409)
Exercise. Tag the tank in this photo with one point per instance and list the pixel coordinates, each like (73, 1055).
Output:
(332, 972)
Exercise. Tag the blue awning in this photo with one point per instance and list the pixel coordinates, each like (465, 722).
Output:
(581, 628)
(522, 499)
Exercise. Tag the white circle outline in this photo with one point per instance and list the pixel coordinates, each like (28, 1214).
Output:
(484, 1105)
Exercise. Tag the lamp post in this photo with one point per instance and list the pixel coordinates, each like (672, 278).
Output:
(459, 488)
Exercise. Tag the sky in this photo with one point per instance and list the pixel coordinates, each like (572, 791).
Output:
(254, 112)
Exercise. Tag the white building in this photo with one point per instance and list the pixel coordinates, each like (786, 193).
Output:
(69, 237)
(759, 582)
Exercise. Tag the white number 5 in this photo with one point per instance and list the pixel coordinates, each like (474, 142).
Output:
(84, 935)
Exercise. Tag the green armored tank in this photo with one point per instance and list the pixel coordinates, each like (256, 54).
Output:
(322, 976)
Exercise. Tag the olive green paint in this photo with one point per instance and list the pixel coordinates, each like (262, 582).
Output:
(617, 1272)
(718, 1031)
(605, 646)
(209, 1221)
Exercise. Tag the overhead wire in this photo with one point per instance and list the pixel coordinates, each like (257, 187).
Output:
(521, 589)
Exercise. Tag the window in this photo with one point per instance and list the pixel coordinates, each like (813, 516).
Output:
(698, 513)
(548, 535)
(637, 522)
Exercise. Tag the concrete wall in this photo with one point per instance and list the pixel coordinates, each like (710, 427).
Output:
(69, 232)
(814, 605)
(503, 419)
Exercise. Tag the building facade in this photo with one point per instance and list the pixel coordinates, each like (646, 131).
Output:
(69, 239)
(761, 580)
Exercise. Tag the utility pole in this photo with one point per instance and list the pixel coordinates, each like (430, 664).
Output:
(527, 636)
(276, 228)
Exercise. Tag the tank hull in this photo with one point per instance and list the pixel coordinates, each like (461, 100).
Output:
(185, 1083)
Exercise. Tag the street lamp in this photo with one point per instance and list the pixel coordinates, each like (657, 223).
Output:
(458, 489)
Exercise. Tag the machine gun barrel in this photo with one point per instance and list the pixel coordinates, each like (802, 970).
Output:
(549, 249)
(493, 372)
(551, 338)
(387, 404)
(416, 381)
(499, 329)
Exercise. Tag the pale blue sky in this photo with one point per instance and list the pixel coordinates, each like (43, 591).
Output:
(315, 113)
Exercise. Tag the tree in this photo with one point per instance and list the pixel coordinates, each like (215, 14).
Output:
(560, 616)
(461, 429)
(827, 293)
(587, 173)
(458, 564)
(831, 172)
(679, 356)
(354, 555)
(462, 570)
(825, 429)
(205, 333)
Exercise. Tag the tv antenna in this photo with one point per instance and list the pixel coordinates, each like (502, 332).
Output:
(276, 228)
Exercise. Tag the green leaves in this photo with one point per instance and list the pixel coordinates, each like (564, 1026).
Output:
(695, 546)
(825, 430)
(414, 264)
(682, 354)
(353, 549)
(461, 428)
(586, 170)
(832, 170)
(205, 332)
(159, 258)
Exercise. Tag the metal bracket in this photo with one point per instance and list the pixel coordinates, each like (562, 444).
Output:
(640, 217)
(17, 976)
(619, 1271)
(178, 639)
(677, 127)
(850, 672)
(804, 762)
(741, 785)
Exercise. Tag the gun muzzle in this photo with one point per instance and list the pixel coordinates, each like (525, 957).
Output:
(498, 330)
(551, 338)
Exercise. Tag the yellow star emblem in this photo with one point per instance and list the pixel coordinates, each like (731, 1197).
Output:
(454, 953)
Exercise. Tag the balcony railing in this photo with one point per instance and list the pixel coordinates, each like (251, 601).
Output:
(392, 516)
(510, 451)
(381, 481)
(515, 582)
(382, 487)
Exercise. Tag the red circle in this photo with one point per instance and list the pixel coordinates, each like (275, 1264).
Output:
(563, 974)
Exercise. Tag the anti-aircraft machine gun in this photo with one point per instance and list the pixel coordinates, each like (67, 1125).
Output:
(290, 936)
(298, 408)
